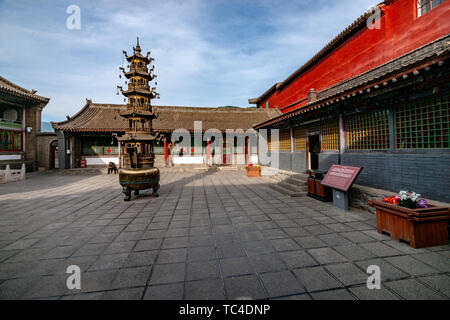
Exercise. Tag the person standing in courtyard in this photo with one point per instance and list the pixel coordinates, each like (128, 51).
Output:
(170, 148)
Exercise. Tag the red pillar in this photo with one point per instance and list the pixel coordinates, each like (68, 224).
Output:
(165, 149)
(207, 151)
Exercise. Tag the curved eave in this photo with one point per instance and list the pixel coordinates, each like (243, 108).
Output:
(138, 92)
(66, 129)
(136, 73)
(28, 96)
(146, 60)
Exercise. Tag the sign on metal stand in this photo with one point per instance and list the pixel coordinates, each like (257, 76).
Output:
(340, 179)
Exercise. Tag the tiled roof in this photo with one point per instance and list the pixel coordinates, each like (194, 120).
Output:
(13, 89)
(374, 78)
(105, 117)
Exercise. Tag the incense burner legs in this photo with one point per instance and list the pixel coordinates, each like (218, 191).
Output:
(139, 179)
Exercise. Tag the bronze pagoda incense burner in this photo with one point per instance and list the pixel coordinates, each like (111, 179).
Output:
(139, 172)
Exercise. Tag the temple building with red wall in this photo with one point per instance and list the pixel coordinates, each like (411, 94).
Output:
(376, 96)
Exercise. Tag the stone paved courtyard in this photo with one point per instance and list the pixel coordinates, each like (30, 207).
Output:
(210, 235)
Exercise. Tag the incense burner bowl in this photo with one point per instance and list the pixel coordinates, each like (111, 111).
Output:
(139, 179)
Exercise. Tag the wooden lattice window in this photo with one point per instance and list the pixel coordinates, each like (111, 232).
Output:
(329, 135)
(368, 130)
(423, 124)
(10, 140)
(300, 139)
(313, 128)
(285, 140)
(423, 6)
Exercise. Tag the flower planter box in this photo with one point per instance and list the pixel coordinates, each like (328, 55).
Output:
(421, 227)
(253, 171)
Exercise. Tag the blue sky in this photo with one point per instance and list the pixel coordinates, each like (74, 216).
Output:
(207, 52)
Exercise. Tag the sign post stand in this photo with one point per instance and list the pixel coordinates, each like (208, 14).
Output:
(340, 199)
(340, 179)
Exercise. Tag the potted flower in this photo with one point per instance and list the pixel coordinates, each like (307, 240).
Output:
(253, 170)
(410, 218)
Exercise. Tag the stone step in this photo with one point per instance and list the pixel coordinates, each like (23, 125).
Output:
(298, 182)
(288, 192)
(293, 187)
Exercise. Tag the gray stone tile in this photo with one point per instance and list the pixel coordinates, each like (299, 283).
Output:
(90, 250)
(14, 289)
(318, 229)
(281, 284)
(258, 247)
(244, 288)
(172, 256)
(347, 273)
(141, 258)
(411, 265)
(110, 261)
(60, 252)
(388, 271)
(235, 266)
(303, 296)
(230, 251)
(48, 286)
(310, 242)
(177, 242)
(202, 270)
(354, 252)
(205, 290)
(357, 236)
(296, 232)
(333, 239)
(363, 293)
(285, 245)
(297, 259)
(316, 279)
(131, 277)
(165, 292)
(201, 253)
(120, 247)
(124, 294)
(83, 296)
(339, 227)
(167, 273)
(374, 234)
(96, 281)
(340, 294)
(439, 282)
(267, 263)
(21, 244)
(326, 255)
(380, 249)
(436, 260)
(149, 244)
(274, 234)
(403, 247)
(153, 234)
(129, 236)
(205, 240)
(358, 225)
(411, 289)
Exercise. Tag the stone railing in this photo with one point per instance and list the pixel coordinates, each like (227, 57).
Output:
(9, 175)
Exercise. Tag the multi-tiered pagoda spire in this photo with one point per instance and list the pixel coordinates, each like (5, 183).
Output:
(139, 138)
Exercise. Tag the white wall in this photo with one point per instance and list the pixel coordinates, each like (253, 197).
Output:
(100, 161)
